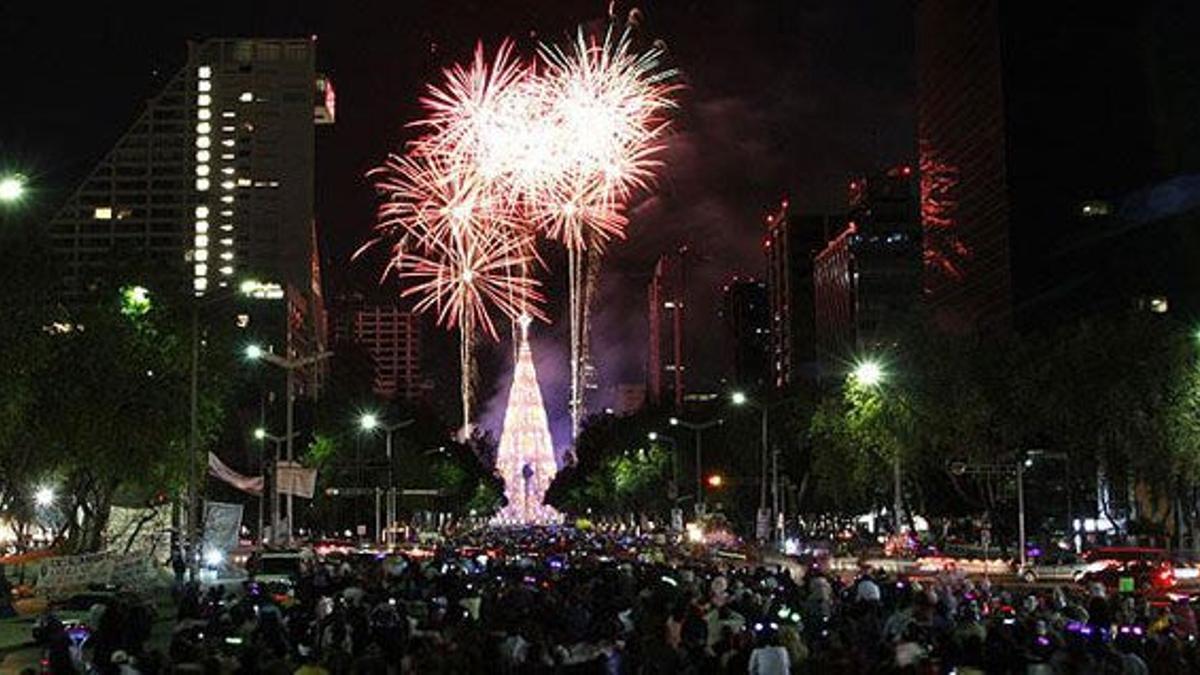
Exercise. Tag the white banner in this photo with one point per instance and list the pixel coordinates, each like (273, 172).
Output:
(63, 576)
(219, 470)
(292, 478)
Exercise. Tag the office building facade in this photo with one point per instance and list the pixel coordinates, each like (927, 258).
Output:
(867, 280)
(212, 188)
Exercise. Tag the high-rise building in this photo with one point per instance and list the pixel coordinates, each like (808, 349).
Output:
(666, 297)
(867, 280)
(960, 143)
(790, 244)
(747, 317)
(393, 339)
(213, 186)
(1055, 147)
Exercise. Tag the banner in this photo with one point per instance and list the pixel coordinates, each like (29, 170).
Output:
(222, 523)
(66, 575)
(294, 479)
(219, 470)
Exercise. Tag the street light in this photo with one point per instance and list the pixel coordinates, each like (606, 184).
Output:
(673, 488)
(278, 441)
(715, 480)
(698, 429)
(868, 374)
(44, 497)
(290, 366)
(369, 422)
(12, 188)
(739, 398)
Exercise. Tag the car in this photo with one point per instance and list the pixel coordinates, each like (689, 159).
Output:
(1056, 565)
(278, 567)
(1132, 576)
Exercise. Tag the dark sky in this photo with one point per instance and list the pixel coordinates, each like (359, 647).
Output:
(787, 97)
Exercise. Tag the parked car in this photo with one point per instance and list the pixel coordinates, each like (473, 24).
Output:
(1054, 565)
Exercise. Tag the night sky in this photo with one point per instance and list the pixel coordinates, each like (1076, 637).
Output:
(784, 98)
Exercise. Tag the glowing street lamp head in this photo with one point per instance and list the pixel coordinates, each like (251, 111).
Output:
(653, 435)
(716, 480)
(739, 398)
(868, 373)
(254, 352)
(44, 496)
(260, 433)
(135, 300)
(368, 421)
(12, 189)
(674, 421)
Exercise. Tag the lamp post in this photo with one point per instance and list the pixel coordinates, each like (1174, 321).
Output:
(673, 489)
(739, 398)
(278, 441)
(868, 374)
(369, 422)
(698, 429)
(290, 366)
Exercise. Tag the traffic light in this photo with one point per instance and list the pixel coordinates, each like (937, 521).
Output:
(715, 480)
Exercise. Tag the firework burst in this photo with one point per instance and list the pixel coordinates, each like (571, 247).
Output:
(512, 150)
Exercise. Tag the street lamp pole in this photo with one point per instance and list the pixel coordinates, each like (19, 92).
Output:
(698, 430)
(277, 441)
(290, 366)
(370, 422)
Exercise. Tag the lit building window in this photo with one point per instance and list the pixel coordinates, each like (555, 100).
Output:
(228, 185)
(226, 213)
(203, 114)
(201, 241)
(204, 86)
(227, 199)
(227, 156)
(227, 256)
(227, 241)
(202, 169)
(246, 97)
(203, 128)
(243, 182)
(201, 255)
(202, 184)
(228, 142)
(228, 129)
(201, 226)
(203, 142)
(202, 211)
(204, 100)
(228, 114)
(204, 72)
(227, 228)
(227, 270)
(102, 213)
(203, 156)
(1159, 305)
(200, 283)
(228, 171)
(201, 269)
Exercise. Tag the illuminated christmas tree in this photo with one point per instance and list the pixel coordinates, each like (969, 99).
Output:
(526, 456)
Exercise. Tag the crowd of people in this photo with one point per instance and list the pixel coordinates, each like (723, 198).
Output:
(545, 601)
